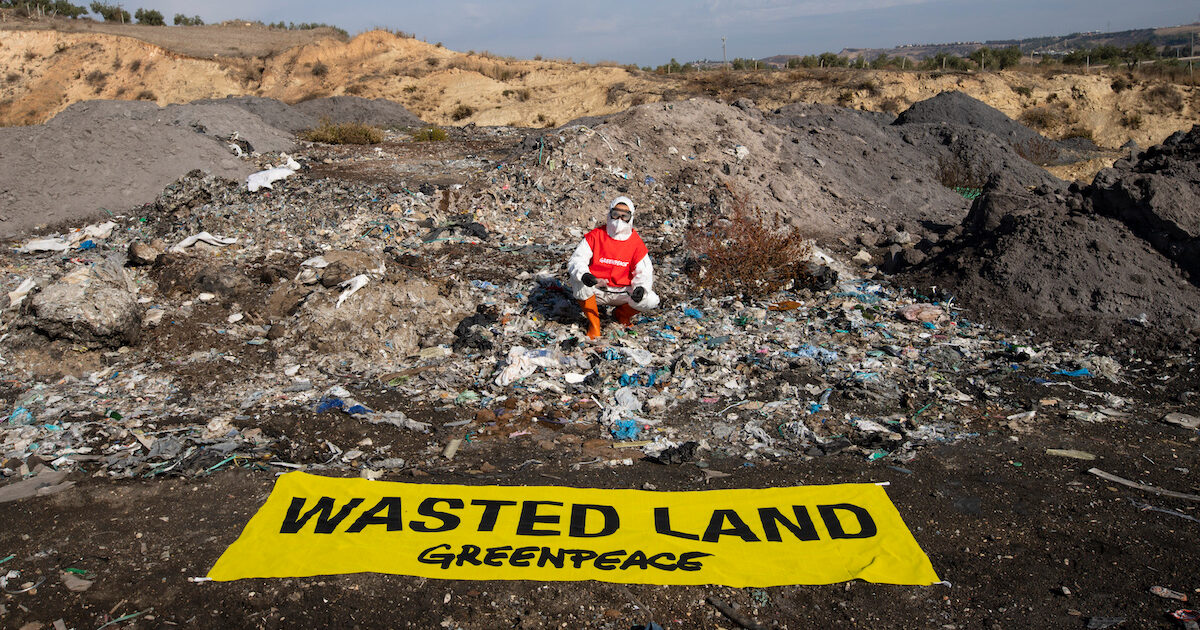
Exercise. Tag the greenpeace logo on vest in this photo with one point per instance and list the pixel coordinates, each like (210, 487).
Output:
(619, 263)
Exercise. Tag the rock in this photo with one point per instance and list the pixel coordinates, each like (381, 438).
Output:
(90, 310)
(912, 257)
(335, 274)
(862, 257)
(225, 281)
(278, 329)
(141, 254)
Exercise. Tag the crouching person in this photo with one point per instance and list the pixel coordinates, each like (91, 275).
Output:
(611, 267)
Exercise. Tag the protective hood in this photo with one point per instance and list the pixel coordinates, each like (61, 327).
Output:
(617, 229)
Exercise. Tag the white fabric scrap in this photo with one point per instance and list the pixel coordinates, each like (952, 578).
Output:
(352, 286)
(203, 237)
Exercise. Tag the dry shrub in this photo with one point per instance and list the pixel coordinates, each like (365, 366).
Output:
(96, 78)
(741, 255)
(1120, 84)
(1131, 120)
(891, 105)
(1039, 117)
(1038, 150)
(1023, 90)
(319, 69)
(135, 65)
(1163, 99)
(12, 77)
(461, 112)
(1079, 131)
(343, 133)
(845, 98)
(960, 173)
(147, 95)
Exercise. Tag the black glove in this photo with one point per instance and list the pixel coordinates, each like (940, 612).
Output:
(589, 280)
(638, 294)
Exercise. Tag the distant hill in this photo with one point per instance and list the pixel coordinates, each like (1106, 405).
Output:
(1169, 39)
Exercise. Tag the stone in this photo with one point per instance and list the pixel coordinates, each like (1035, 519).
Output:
(141, 254)
(90, 311)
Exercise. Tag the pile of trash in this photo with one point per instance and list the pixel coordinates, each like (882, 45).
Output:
(331, 323)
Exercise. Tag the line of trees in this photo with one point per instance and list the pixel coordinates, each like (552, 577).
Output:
(107, 12)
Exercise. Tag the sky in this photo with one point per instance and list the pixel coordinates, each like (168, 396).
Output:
(651, 32)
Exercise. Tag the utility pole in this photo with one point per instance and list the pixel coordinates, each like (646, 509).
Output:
(724, 59)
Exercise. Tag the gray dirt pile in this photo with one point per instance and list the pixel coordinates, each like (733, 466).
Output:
(336, 109)
(115, 155)
(965, 114)
(1112, 258)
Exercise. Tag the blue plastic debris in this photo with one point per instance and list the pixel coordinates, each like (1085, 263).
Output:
(483, 284)
(666, 335)
(21, 415)
(1079, 372)
(930, 325)
(649, 180)
(612, 354)
(329, 403)
(627, 430)
(694, 313)
(809, 351)
(86, 245)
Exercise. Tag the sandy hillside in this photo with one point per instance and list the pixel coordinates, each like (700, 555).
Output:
(46, 70)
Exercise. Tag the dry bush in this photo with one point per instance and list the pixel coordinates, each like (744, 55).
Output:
(430, 134)
(147, 95)
(1163, 99)
(1039, 117)
(135, 65)
(356, 89)
(12, 77)
(1023, 90)
(868, 86)
(846, 98)
(891, 105)
(343, 133)
(1037, 150)
(96, 78)
(432, 62)
(1079, 131)
(461, 112)
(319, 69)
(1131, 120)
(741, 255)
(961, 173)
(1120, 84)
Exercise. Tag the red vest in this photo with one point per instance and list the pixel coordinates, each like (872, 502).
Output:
(614, 260)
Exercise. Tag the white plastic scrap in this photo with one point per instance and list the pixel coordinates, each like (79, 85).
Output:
(264, 179)
(203, 237)
(99, 232)
(523, 362)
(352, 286)
(16, 296)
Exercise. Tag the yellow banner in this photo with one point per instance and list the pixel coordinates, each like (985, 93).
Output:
(748, 537)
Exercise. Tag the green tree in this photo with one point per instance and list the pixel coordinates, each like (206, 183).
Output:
(183, 20)
(149, 17)
(110, 13)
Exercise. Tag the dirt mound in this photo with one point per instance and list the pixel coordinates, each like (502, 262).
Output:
(1156, 197)
(377, 111)
(1109, 260)
(308, 114)
(115, 155)
(960, 109)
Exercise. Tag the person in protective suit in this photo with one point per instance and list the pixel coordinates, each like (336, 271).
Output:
(611, 267)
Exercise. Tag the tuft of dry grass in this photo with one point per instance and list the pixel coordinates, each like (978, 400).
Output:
(461, 112)
(343, 133)
(1163, 99)
(740, 255)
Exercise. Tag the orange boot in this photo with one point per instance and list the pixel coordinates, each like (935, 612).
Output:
(624, 314)
(592, 313)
